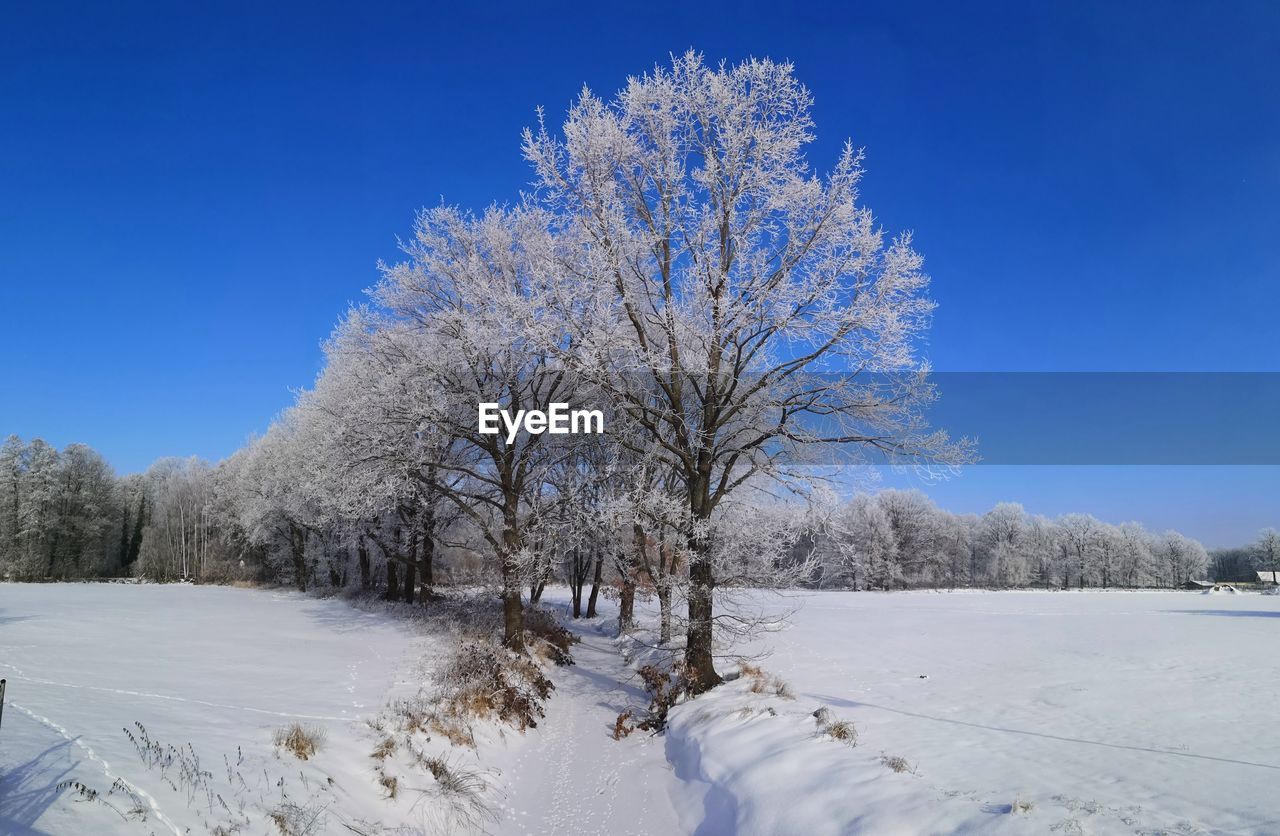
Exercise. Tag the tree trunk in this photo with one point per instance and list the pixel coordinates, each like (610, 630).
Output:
(698, 655)
(627, 605)
(363, 553)
(298, 549)
(664, 613)
(411, 569)
(427, 568)
(393, 582)
(595, 585)
(576, 577)
(628, 568)
(513, 620)
(512, 606)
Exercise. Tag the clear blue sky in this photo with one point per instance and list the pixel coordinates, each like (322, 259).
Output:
(189, 197)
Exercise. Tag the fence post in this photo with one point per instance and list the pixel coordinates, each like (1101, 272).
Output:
(1, 700)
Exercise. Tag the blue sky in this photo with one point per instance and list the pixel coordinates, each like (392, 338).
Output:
(190, 197)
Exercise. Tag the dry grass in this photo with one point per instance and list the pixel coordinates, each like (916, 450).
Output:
(454, 780)
(483, 680)
(302, 741)
(842, 730)
(897, 763)
(390, 785)
(1021, 806)
(385, 749)
(622, 727)
(764, 683)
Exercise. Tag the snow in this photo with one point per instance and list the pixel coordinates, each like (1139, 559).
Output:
(217, 668)
(1107, 712)
(1015, 712)
(569, 775)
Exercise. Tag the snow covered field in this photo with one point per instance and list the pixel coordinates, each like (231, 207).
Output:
(1014, 712)
(217, 668)
(1105, 712)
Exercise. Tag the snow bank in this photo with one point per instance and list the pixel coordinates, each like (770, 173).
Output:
(766, 769)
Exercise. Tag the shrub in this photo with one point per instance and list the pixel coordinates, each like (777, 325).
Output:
(484, 680)
(664, 689)
(302, 741)
(548, 635)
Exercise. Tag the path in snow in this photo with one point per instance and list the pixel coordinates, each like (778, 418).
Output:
(570, 776)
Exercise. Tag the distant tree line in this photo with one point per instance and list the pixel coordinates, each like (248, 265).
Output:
(64, 515)
(899, 539)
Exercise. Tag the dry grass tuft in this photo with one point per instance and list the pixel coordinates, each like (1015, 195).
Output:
(842, 730)
(454, 780)
(302, 741)
(390, 785)
(764, 683)
(897, 763)
(385, 749)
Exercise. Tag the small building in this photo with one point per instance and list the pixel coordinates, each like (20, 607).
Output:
(1271, 577)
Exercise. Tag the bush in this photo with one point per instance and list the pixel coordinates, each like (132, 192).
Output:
(484, 680)
(664, 687)
(545, 633)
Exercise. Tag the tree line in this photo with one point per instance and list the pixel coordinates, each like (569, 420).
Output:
(675, 264)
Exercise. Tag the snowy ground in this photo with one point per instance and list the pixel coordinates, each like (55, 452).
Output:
(217, 668)
(1018, 713)
(1104, 712)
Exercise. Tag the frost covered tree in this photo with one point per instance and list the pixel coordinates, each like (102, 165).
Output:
(1137, 564)
(1080, 535)
(380, 455)
(1003, 544)
(471, 289)
(59, 512)
(733, 293)
(1181, 559)
(177, 529)
(1266, 550)
(272, 493)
